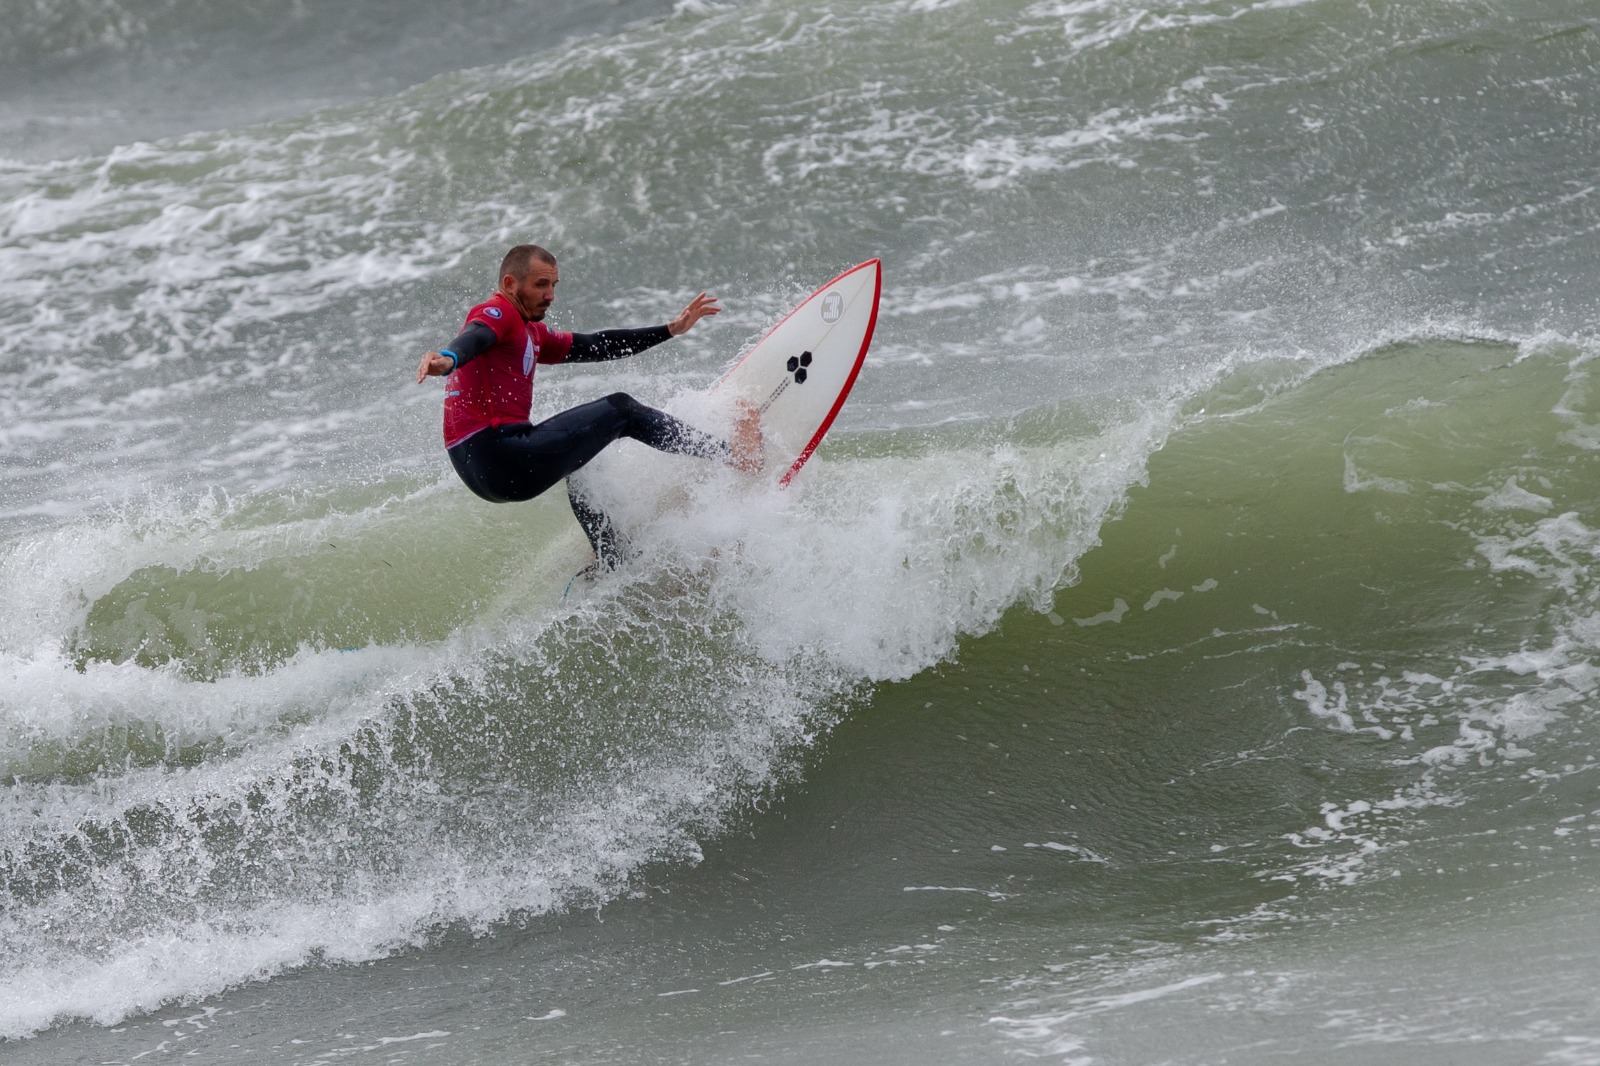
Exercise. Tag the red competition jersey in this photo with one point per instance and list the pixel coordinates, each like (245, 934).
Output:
(496, 388)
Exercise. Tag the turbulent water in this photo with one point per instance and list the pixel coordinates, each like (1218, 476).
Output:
(1185, 648)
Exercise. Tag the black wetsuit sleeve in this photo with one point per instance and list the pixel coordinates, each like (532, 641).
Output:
(472, 342)
(615, 343)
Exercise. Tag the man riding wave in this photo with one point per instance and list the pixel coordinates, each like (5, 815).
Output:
(489, 370)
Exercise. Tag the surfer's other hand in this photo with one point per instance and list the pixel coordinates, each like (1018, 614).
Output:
(700, 307)
(433, 365)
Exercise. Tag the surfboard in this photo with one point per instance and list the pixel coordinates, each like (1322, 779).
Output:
(801, 372)
(798, 374)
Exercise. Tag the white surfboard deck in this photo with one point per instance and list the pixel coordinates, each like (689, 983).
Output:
(801, 372)
(798, 375)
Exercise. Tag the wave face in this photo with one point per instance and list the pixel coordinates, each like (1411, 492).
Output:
(259, 733)
(1329, 719)
(1230, 422)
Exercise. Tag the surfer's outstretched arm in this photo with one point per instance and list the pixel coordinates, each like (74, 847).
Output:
(614, 343)
(618, 343)
(600, 347)
(470, 343)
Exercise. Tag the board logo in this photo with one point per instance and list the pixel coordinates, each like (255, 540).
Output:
(797, 366)
(832, 308)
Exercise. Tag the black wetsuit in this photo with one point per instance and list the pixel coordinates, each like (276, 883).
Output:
(510, 463)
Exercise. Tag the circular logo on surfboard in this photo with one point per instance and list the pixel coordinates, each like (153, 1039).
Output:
(832, 308)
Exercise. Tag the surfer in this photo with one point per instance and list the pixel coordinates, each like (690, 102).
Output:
(500, 454)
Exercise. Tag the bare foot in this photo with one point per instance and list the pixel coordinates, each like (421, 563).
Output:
(746, 441)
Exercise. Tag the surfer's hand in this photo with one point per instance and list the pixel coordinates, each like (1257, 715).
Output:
(433, 365)
(699, 307)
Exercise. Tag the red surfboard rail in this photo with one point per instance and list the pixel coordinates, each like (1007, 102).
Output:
(855, 369)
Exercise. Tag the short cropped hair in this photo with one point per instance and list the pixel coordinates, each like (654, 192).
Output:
(520, 260)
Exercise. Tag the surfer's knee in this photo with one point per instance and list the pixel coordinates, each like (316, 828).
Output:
(625, 404)
(638, 421)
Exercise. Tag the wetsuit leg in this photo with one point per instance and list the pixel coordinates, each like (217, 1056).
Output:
(598, 527)
(663, 432)
(518, 462)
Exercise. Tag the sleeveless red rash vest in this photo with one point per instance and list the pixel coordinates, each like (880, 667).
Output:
(496, 388)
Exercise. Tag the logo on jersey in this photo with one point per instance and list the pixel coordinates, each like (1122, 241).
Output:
(492, 312)
(530, 355)
(832, 308)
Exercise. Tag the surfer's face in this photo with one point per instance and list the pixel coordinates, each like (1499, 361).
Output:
(535, 291)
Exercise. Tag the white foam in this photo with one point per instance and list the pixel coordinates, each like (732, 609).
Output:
(1513, 497)
(1497, 706)
(48, 698)
(1161, 596)
(1119, 607)
(912, 538)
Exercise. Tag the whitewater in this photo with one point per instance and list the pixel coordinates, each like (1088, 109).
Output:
(1184, 648)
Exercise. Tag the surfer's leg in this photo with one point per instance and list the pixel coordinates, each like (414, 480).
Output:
(518, 462)
(661, 431)
(651, 427)
(598, 527)
(510, 463)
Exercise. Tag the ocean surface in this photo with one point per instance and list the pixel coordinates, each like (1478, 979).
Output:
(1185, 648)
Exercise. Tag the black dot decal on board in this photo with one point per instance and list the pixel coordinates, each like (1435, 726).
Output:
(797, 366)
